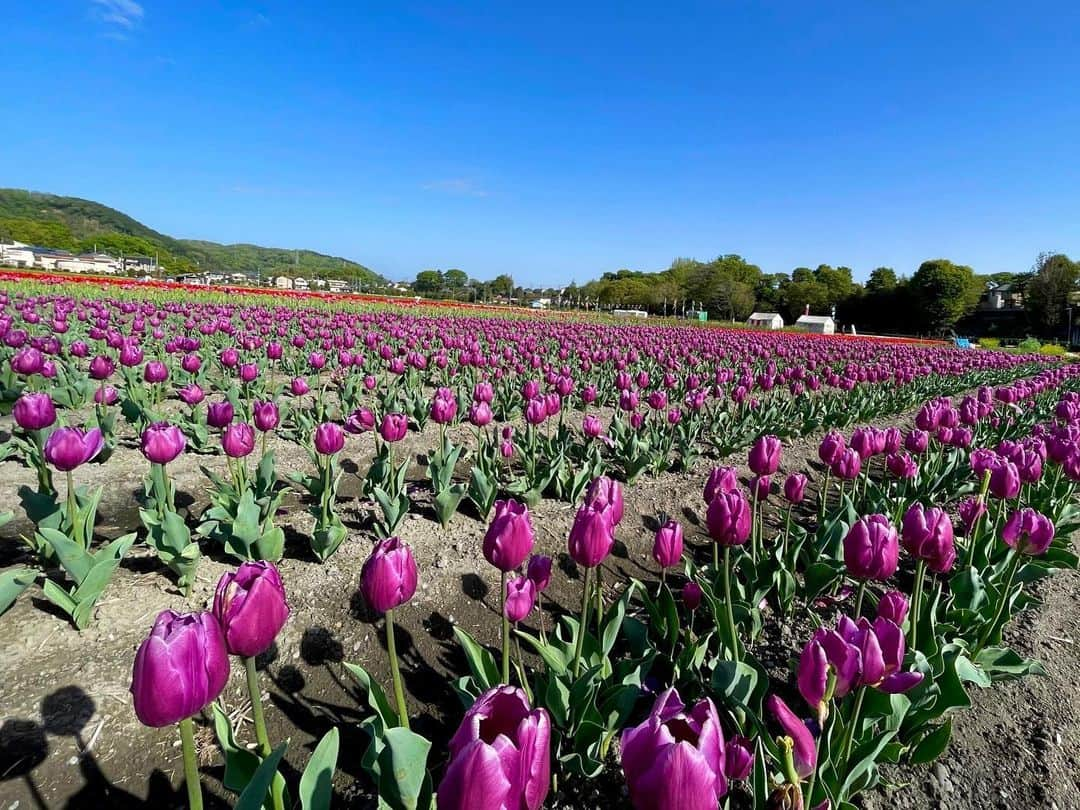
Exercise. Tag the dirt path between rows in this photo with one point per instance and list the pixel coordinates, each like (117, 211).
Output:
(69, 737)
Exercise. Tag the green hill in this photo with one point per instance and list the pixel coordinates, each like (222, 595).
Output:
(71, 223)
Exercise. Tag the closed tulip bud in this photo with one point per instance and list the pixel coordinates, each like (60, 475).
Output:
(1028, 531)
(506, 448)
(728, 519)
(219, 414)
(509, 539)
(738, 759)
(155, 372)
(982, 461)
(795, 488)
(1004, 480)
(360, 421)
(539, 571)
(238, 440)
(520, 598)
(764, 456)
(862, 442)
(191, 363)
(393, 427)
(388, 578)
(691, 595)
(901, 465)
(250, 605)
(592, 536)
(971, 509)
(591, 426)
(927, 534)
(34, 411)
(273, 351)
(801, 740)
(760, 487)
(101, 368)
(871, 548)
(317, 361)
(917, 441)
(668, 544)
(329, 438)
(70, 447)
(892, 440)
(500, 756)
(229, 357)
(443, 407)
(675, 759)
(249, 372)
(893, 606)
(721, 479)
(106, 395)
(266, 415)
(191, 394)
(536, 411)
(162, 442)
(28, 361)
(831, 447)
(480, 414)
(299, 386)
(179, 669)
(848, 465)
(604, 491)
(588, 394)
(483, 392)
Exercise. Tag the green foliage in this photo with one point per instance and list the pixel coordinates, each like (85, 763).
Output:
(945, 292)
(1052, 349)
(989, 343)
(1029, 345)
(1050, 290)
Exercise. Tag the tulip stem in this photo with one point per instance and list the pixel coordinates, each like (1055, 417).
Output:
(599, 603)
(277, 789)
(732, 632)
(584, 623)
(825, 494)
(859, 598)
(73, 508)
(849, 735)
(395, 672)
(505, 632)
(1013, 564)
(916, 601)
(191, 766)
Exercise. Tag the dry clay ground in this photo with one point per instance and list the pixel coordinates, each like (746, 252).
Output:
(69, 737)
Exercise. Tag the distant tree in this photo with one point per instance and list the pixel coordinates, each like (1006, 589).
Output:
(1050, 290)
(428, 282)
(799, 294)
(502, 285)
(455, 279)
(882, 280)
(944, 293)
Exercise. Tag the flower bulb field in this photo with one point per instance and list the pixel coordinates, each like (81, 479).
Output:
(302, 553)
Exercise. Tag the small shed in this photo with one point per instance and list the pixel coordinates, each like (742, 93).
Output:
(765, 320)
(818, 324)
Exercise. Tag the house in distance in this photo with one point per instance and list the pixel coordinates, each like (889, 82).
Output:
(765, 320)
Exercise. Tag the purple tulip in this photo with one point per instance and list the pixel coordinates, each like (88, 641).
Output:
(388, 578)
(862, 442)
(180, 668)
(591, 426)
(480, 414)
(238, 440)
(760, 487)
(917, 441)
(592, 536)
(101, 368)
(34, 411)
(604, 491)
(249, 372)
(299, 386)
(509, 539)
(848, 465)
(394, 426)
(70, 447)
(520, 598)
(738, 759)
(106, 395)
(155, 372)
(798, 734)
(795, 488)
(191, 394)
(901, 465)
(266, 415)
(1004, 480)
(764, 457)
(219, 414)
(329, 438)
(500, 756)
(1028, 531)
(675, 759)
(692, 595)
(536, 411)
(443, 406)
(668, 544)
(728, 519)
(250, 605)
(831, 447)
(971, 509)
(893, 606)
(871, 548)
(162, 442)
(360, 421)
(539, 571)
(927, 534)
(28, 361)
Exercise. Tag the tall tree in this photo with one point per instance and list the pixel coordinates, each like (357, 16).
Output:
(944, 293)
(1050, 291)
(428, 282)
(882, 280)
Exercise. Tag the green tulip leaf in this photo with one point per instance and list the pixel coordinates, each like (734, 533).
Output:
(317, 781)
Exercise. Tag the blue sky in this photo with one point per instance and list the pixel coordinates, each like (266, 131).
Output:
(556, 141)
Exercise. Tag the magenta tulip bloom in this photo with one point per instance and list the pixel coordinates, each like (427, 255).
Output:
(329, 438)
(691, 595)
(721, 479)
(191, 394)
(1028, 531)
(728, 519)
(848, 465)
(70, 447)
(480, 414)
(443, 406)
(539, 571)
(101, 368)
(764, 458)
(34, 411)
(592, 536)
(266, 415)
(394, 427)
(668, 544)
(360, 421)
(509, 538)
(180, 668)
(591, 426)
(871, 548)
(238, 440)
(219, 414)
(520, 598)
(155, 372)
(299, 386)
(738, 759)
(251, 608)
(28, 361)
(760, 487)
(162, 442)
(881, 645)
(500, 756)
(901, 465)
(971, 509)
(803, 747)
(831, 447)
(894, 606)
(795, 488)
(917, 441)
(604, 491)
(675, 759)
(388, 578)
(927, 534)
(1004, 480)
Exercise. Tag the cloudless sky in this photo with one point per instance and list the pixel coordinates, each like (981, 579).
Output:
(559, 140)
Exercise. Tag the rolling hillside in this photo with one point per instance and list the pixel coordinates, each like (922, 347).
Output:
(71, 223)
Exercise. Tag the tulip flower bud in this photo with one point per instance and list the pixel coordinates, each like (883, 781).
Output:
(267, 415)
(394, 427)
(329, 438)
(70, 447)
(191, 394)
(927, 535)
(520, 598)
(1028, 531)
(893, 606)
(692, 595)
(728, 519)
(917, 441)
(219, 414)
(721, 479)
(162, 442)
(480, 414)
(155, 372)
(764, 458)
(591, 426)
(971, 509)
(179, 669)
(101, 368)
(738, 759)
(871, 548)
(603, 491)
(250, 605)
(795, 488)
(443, 406)
(299, 386)
(848, 465)
(34, 411)
(509, 538)
(388, 578)
(760, 487)
(1004, 480)
(592, 536)
(668, 544)
(536, 411)
(238, 440)
(539, 571)
(831, 447)
(360, 421)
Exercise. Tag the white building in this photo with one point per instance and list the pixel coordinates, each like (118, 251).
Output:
(818, 324)
(301, 284)
(283, 283)
(16, 254)
(765, 320)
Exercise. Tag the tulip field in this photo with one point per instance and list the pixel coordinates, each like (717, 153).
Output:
(312, 554)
